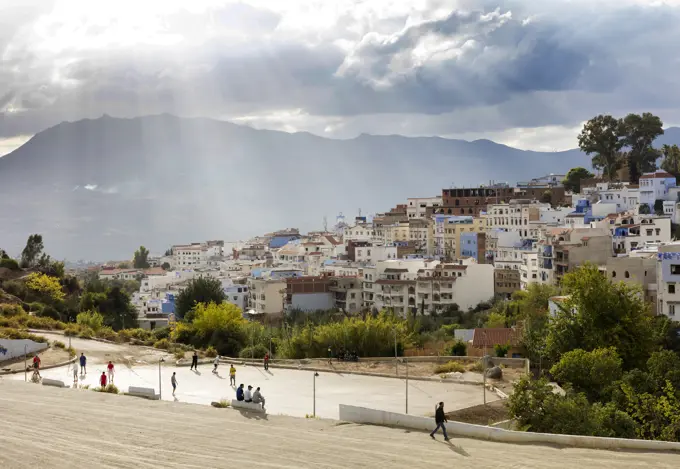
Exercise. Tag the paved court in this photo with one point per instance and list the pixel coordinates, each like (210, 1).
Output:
(288, 392)
(64, 428)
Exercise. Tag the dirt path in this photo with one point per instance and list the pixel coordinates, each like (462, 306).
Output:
(87, 429)
(49, 357)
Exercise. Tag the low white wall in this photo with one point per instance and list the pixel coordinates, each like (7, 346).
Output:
(379, 417)
(15, 348)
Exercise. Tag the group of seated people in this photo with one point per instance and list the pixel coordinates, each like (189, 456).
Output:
(247, 395)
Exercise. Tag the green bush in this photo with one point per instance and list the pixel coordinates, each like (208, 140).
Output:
(49, 312)
(10, 323)
(71, 351)
(458, 349)
(85, 333)
(501, 350)
(50, 324)
(179, 354)
(223, 404)
(11, 310)
(36, 307)
(110, 388)
(450, 367)
(162, 344)
(107, 333)
(210, 352)
(90, 319)
(71, 330)
(162, 333)
(16, 334)
(10, 264)
(257, 351)
(59, 344)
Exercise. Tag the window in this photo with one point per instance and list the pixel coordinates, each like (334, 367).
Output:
(671, 288)
(658, 231)
(675, 269)
(671, 310)
(649, 232)
(614, 274)
(627, 275)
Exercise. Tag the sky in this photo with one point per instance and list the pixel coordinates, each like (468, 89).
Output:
(525, 73)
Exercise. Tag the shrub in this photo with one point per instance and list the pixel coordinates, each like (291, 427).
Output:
(85, 333)
(162, 333)
(179, 354)
(184, 334)
(36, 307)
(33, 322)
(10, 323)
(211, 352)
(257, 351)
(223, 404)
(162, 344)
(10, 264)
(107, 333)
(110, 388)
(477, 366)
(59, 344)
(458, 349)
(11, 310)
(71, 330)
(450, 367)
(71, 351)
(49, 312)
(90, 319)
(501, 350)
(16, 334)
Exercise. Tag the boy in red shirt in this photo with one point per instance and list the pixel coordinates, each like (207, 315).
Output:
(102, 380)
(36, 365)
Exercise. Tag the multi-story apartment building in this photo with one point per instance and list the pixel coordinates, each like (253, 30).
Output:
(528, 269)
(624, 195)
(473, 245)
(506, 282)
(347, 293)
(397, 232)
(267, 289)
(638, 270)
(416, 208)
(515, 216)
(631, 231)
(419, 231)
(574, 247)
(410, 285)
(656, 186)
(360, 232)
(445, 232)
(473, 201)
(668, 280)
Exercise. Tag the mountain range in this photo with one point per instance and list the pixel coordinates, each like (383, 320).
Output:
(98, 188)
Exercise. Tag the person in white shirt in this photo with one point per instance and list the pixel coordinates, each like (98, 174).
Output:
(216, 362)
(248, 397)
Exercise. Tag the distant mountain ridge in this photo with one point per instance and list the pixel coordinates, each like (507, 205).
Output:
(98, 188)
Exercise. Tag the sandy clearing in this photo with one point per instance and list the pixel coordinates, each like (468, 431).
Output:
(63, 428)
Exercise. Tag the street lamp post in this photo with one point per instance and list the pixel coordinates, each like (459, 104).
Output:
(25, 365)
(314, 395)
(160, 394)
(484, 369)
(396, 363)
(406, 364)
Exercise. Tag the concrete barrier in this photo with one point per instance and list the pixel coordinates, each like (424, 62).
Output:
(146, 393)
(14, 348)
(378, 417)
(53, 382)
(247, 406)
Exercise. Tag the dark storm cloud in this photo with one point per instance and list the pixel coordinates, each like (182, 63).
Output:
(518, 65)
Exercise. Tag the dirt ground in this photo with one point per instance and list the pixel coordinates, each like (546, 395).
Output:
(51, 356)
(492, 412)
(65, 428)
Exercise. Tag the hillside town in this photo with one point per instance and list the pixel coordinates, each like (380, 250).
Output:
(458, 249)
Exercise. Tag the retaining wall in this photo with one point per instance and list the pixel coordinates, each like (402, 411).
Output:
(14, 348)
(379, 417)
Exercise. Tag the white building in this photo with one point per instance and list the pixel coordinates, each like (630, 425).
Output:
(655, 186)
(373, 254)
(236, 294)
(631, 231)
(360, 232)
(668, 280)
(529, 268)
(417, 207)
(516, 216)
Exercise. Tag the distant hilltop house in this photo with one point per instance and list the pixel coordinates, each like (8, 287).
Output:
(110, 273)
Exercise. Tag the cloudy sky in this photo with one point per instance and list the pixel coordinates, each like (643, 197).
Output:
(522, 72)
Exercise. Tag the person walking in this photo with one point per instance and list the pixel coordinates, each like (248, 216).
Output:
(330, 356)
(194, 361)
(216, 362)
(440, 419)
(75, 374)
(83, 364)
(36, 366)
(173, 381)
(102, 380)
(266, 361)
(232, 375)
(109, 372)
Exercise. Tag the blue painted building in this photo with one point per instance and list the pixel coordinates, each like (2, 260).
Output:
(281, 240)
(469, 245)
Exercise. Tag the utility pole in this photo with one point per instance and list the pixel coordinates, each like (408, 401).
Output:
(484, 369)
(161, 360)
(314, 395)
(25, 365)
(396, 362)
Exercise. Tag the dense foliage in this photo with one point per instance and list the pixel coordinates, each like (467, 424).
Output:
(200, 290)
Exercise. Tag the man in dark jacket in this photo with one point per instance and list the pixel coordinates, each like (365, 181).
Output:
(440, 420)
(239, 393)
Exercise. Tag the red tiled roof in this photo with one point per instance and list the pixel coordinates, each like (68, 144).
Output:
(154, 271)
(332, 240)
(486, 337)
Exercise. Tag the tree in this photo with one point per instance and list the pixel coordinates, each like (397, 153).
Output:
(572, 182)
(644, 209)
(46, 286)
(639, 133)
(495, 320)
(546, 197)
(141, 259)
(671, 160)
(201, 290)
(91, 319)
(601, 137)
(117, 310)
(658, 207)
(3, 254)
(32, 251)
(124, 265)
(211, 317)
(589, 372)
(657, 416)
(601, 314)
(166, 266)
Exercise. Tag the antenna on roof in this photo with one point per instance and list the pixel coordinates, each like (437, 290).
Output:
(359, 212)
(325, 223)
